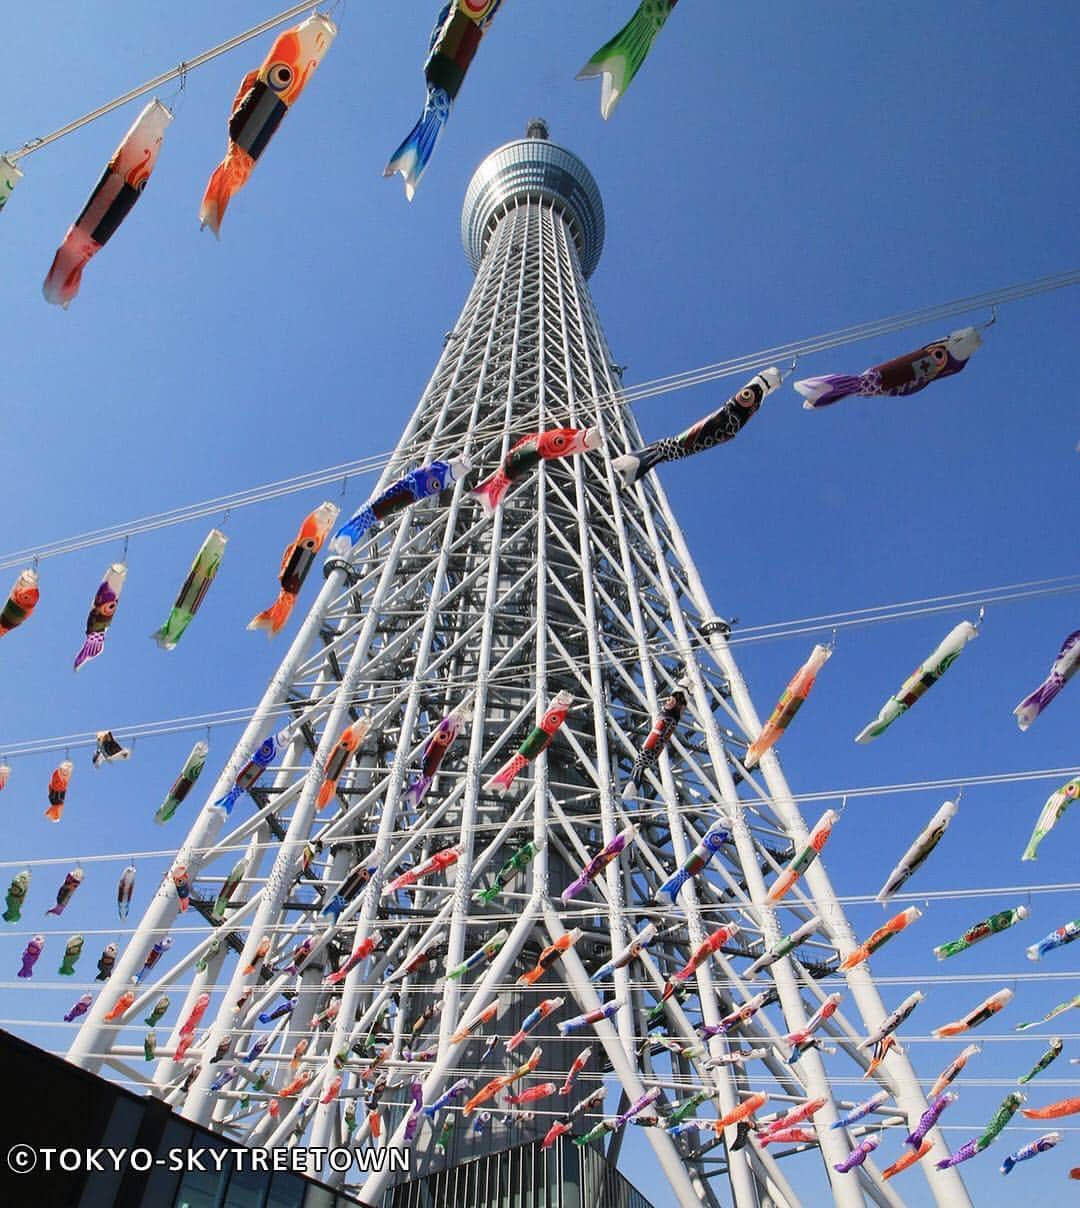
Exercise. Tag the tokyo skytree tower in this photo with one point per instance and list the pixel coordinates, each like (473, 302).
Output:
(471, 623)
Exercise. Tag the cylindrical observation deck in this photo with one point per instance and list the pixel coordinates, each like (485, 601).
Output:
(533, 167)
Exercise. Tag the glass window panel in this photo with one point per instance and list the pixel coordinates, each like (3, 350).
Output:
(246, 1189)
(162, 1184)
(286, 1191)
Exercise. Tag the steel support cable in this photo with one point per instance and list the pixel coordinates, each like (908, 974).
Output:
(615, 402)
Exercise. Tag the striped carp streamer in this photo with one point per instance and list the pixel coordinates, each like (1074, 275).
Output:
(899, 922)
(296, 562)
(904, 375)
(526, 454)
(189, 598)
(996, 923)
(714, 429)
(918, 853)
(928, 672)
(985, 1010)
(261, 101)
(788, 705)
(459, 28)
(537, 741)
(102, 611)
(115, 194)
(21, 602)
(1056, 805)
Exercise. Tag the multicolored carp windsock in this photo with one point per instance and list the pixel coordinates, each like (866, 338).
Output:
(783, 947)
(1009, 1107)
(422, 483)
(526, 454)
(907, 374)
(31, 953)
(928, 672)
(21, 602)
(826, 1011)
(492, 1088)
(899, 922)
(16, 895)
(516, 864)
(10, 176)
(1047, 1059)
(628, 954)
(296, 562)
(66, 892)
(190, 772)
(711, 842)
(439, 862)
(1054, 1111)
(108, 749)
(229, 887)
(72, 952)
(708, 947)
(617, 61)
(58, 787)
(540, 1012)
(119, 188)
(1060, 1009)
(916, 855)
(102, 611)
(609, 852)
(882, 1038)
(1056, 805)
(434, 751)
(788, 705)
(268, 750)
(1031, 1150)
(860, 1110)
(485, 953)
(711, 430)
(966, 1151)
(125, 887)
(551, 955)
(261, 101)
(1057, 938)
(343, 750)
(802, 860)
(796, 1115)
(929, 1119)
(1062, 670)
(656, 741)
(538, 741)
(1001, 921)
(948, 1074)
(79, 1009)
(193, 590)
(980, 1014)
(859, 1154)
(907, 1160)
(458, 29)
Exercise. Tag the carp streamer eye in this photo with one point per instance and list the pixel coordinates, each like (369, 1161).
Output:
(279, 77)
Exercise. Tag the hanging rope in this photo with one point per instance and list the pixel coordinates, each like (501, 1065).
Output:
(179, 72)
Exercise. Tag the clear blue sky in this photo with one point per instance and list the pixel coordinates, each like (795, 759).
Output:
(775, 171)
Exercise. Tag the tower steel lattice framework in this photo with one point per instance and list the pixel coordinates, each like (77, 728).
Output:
(575, 585)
